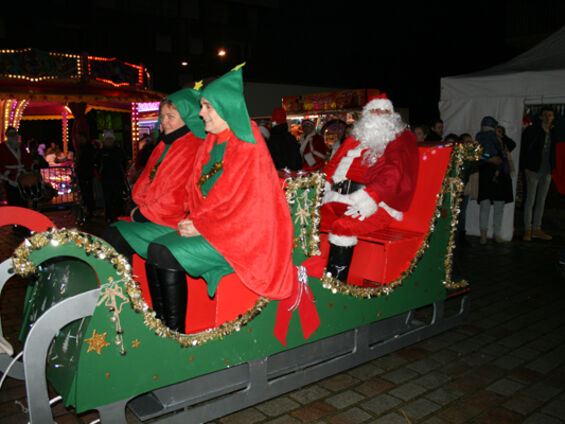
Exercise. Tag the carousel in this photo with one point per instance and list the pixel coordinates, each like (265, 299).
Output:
(40, 85)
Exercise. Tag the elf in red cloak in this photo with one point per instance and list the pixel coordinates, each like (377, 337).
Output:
(370, 181)
(239, 220)
(161, 200)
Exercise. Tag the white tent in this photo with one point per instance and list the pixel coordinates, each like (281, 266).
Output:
(535, 77)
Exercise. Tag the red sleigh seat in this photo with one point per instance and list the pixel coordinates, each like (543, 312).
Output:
(383, 255)
(232, 299)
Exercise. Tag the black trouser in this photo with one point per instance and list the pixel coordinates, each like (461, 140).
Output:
(166, 279)
(87, 193)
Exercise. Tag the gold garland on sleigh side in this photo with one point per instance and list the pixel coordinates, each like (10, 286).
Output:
(103, 251)
(451, 185)
(308, 241)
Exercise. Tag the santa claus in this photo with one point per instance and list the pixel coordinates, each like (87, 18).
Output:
(370, 181)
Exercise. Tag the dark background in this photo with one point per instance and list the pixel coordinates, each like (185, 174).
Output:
(401, 48)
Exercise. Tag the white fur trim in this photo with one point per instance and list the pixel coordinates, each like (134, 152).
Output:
(383, 104)
(334, 196)
(397, 215)
(342, 169)
(343, 241)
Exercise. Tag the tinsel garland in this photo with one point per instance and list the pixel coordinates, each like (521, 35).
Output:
(308, 241)
(453, 186)
(103, 251)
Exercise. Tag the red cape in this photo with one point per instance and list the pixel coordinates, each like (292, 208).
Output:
(164, 201)
(245, 215)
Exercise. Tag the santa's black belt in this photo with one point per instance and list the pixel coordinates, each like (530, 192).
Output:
(347, 186)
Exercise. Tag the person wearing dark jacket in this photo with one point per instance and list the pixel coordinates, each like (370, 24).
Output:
(84, 170)
(282, 145)
(111, 166)
(537, 161)
(495, 176)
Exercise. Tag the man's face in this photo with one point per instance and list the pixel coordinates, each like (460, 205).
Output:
(547, 117)
(438, 128)
(307, 127)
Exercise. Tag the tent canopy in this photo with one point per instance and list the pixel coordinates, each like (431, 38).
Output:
(534, 77)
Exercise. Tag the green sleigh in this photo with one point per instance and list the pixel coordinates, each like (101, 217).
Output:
(86, 317)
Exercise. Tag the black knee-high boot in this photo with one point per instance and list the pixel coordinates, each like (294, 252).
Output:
(339, 261)
(174, 290)
(155, 290)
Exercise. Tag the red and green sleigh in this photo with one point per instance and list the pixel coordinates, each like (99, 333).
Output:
(90, 331)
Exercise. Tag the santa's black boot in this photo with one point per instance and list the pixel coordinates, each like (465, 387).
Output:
(174, 289)
(155, 290)
(339, 261)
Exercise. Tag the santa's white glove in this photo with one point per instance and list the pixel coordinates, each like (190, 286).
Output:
(334, 196)
(362, 205)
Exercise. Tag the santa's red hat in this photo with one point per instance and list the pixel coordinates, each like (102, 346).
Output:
(279, 116)
(379, 102)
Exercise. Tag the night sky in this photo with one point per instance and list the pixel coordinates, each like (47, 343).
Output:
(401, 48)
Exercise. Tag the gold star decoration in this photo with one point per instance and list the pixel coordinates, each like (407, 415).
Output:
(135, 343)
(96, 342)
(198, 85)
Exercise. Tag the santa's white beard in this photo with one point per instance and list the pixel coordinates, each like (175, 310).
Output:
(375, 132)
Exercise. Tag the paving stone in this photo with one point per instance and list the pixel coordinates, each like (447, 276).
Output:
(434, 420)
(365, 371)
(313, 411)
(538, 418)
(400, 375)
(407, 391)
(392, 418)
(277, 406)
(432, 380)
(505, 387)
(419, 408)
(443, 396)
(521, 404)
(476, 359)
(389, 362)
(381, 403)
(246, 416)
(541, 391)
(344, 399)
(555, 408)
(508, 362)
(445, 356)
(498, 416)
(338, 382)
(351, 416)
(285, 419)
(423, 365)
(309, 394)
(374, 386)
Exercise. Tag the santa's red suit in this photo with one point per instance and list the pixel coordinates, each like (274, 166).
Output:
(313, 150)
(380, 192)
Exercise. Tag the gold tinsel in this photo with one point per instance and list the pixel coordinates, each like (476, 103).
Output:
(308, 241)
(103, 251)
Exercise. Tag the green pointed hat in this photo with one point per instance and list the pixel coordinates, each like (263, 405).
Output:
(226, 96)
(187, 102)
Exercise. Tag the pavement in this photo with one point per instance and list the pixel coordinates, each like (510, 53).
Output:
(505, 364)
